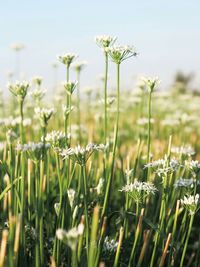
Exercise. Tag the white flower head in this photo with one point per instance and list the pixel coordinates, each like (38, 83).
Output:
(151, 83)
(139, 190)
(78, 66)
(120, 53)
(70, 87)
(71, 196)
(104, 41)
(44, 115)
(191, 203)
(57, 139)
(79, 154)
(19, 89)
(67, 58)
(17, 46)
(37, 80)
(70, 237)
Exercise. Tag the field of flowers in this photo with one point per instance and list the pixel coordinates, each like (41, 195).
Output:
(99, 177)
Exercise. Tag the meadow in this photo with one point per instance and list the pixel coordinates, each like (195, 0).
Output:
(99, 177)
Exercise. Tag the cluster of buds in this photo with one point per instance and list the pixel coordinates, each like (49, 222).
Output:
(70, 87)
(79, 154)
(19, 89)
(67, 58)
(44, 115)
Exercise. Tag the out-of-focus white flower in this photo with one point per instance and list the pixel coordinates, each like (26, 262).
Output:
(79, 154)
(70, 237)
(71, 196)
(183, 150)
(19, 89)
(37, 80)
(44, 115)
(186, 183)
(191, 203)
(57, 139)
(34, 150)
(104, 41)
(17, 46)
(100, 186)
(70, 87)
(150, 83)
(78, 66)
(67, 58)
(109, 245)
(38, 94)
(144, 121)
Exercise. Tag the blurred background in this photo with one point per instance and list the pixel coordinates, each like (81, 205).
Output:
(165, 34)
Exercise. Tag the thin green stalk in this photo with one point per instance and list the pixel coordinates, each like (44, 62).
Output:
(187, 239)
(105, 97)
(109, 182)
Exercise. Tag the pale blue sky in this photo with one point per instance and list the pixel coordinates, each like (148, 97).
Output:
(165, 33)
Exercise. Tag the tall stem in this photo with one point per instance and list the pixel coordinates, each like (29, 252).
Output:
(107, 194)
(78, 106)
(149, 127)
(105, 96)
(187, 239)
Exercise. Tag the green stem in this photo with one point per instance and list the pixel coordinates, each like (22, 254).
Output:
(108, 187)
(187, 239)
(105, 97)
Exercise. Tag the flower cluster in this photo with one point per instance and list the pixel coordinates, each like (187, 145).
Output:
(71, 196)
(57, 139)
(151, 83)
(44, 115)
(163, 167)
(67, 110)
(79, 154)
(187, 183)
(38, 94)
(34, 150)
(191, 203)
(37, 80)
(193, 166)
(70, 237)
(120, 53)
(67, 58)
(17, 46)
(14, 122)
(109, 245)
(70, 87)
(183, 150)
(139, 190)
(105, 41)
(19, 89)
(78, 66)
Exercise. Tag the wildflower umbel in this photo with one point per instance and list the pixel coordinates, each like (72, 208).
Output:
(105, 41)
(57, 139)
(191, 203)
(139, 190)
(120, 53)
(79, 65)
(37, 80)
(19, 89)
(34, 150)
(151, 83)
(70, 237)
(44, 115)
(70, 87)
(79, 154)
(67, 58)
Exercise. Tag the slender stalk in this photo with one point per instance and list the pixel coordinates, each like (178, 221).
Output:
(109, 182)
(105, 97)
(187, 239)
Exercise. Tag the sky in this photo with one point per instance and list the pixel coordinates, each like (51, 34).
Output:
(166, 35)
